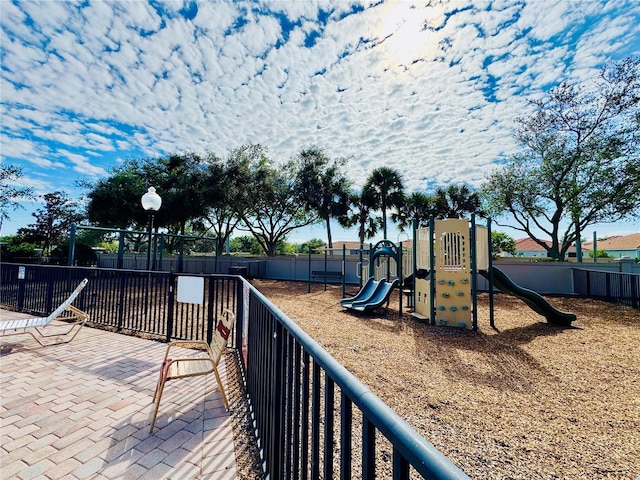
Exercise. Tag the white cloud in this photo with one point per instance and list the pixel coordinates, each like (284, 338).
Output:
(86, 85)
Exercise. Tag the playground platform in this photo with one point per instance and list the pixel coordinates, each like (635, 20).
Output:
(82, 410)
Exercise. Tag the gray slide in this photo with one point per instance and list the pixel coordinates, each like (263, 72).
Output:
(365, 292)
(380, 295)
(533, 299)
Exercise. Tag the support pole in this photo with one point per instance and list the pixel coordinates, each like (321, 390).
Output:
(120, 260)
(344, 269)
(150, 241)
(400, 277)
(474, 272)
(72, 244)
(309, 272)
(491, 317)
(432, 273)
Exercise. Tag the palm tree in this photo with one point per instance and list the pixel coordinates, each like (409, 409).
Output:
(456, 202)
(417, 206)
(360, 214)
(322, 186)
(384, 188)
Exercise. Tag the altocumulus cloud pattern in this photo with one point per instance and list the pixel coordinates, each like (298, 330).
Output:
(429, 88)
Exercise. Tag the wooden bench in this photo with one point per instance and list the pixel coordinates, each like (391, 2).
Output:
(326, 275)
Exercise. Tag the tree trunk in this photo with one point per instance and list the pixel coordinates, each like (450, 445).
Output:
(329, 240)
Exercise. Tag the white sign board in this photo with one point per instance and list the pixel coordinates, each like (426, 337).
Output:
(191, 290)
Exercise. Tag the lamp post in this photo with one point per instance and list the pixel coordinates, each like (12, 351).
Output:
(151, 202)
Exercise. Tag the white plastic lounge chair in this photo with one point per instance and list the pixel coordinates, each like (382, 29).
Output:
(173, 369)
(34, 326)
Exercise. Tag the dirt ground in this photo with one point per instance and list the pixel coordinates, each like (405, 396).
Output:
(526, 400)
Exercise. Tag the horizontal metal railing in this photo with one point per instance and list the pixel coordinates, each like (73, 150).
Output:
(623, 288)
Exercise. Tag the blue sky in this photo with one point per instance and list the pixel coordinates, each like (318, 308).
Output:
(428, 88)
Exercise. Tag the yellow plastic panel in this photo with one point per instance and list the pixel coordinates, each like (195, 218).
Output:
(452, 245)
(423, 300)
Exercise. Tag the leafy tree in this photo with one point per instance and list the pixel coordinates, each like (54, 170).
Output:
(286, 248)
(580, 162)
(315, 245)
(53, 223)
(115, 201)
(456, 202)
(416, 206)
(361, 213)
(323, 187)
(179, 180)
(271, 207)
(502, 243)
(245, 244)
(384, 189)
(14, 248)
(84, 256)
(11, 195)
(222, 191)
(601, 254)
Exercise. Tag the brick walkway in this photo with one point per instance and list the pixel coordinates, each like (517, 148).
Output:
(82, 410)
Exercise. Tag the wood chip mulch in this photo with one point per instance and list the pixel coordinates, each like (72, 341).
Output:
(526, 400)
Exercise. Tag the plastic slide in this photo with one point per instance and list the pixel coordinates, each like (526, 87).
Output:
(533, 299)
(379, 296)
(365, 292)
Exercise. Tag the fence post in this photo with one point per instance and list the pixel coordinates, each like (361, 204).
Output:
(277, 400)
(210, 306)
(171, 303)
(240, 314)
(121, 302)
(22, 280)
(48, 304)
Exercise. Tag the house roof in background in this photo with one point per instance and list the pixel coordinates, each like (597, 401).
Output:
(529, 245)
(617, 242)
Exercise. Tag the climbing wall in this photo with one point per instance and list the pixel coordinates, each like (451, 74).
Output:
(452, 300)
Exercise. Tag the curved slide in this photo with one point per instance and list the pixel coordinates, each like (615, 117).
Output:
(365, 292)
(533, 299)
(371, 296)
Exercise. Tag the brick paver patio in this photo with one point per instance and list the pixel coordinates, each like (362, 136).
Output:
(82, 410)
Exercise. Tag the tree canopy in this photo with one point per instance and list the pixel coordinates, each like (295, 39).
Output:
(53, 222)
(361, 214)
(266, 199)
(579, 163)
(384, 190)
(322, 185)
(11, 195)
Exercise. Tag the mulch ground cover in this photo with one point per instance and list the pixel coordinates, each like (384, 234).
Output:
(523, 400)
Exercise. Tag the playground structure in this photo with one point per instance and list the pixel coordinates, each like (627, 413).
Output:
(451, 250)
(442, 280)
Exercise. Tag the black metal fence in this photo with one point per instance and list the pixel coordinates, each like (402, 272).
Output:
(316, 420)
(125, 300)
(313, 418)
(622, 288)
